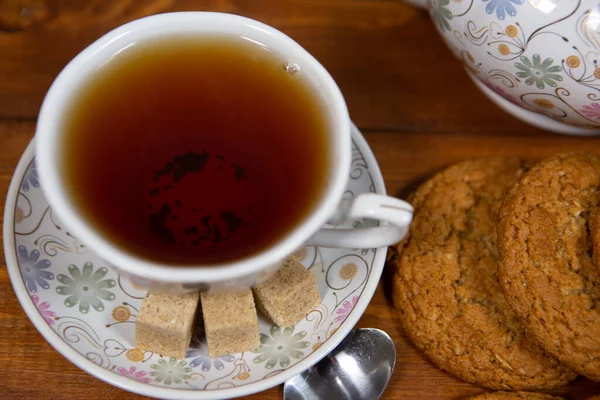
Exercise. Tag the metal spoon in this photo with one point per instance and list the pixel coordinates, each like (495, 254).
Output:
(359, 368)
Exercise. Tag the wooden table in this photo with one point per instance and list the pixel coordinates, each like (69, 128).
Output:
(409, 96)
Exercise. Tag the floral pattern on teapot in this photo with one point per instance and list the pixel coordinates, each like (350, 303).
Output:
(542, 55)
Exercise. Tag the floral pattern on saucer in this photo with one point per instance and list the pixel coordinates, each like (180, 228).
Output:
(542, 55)
(93, 309)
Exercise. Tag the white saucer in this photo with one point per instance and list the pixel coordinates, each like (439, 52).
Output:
(538, 120)
(86, 310)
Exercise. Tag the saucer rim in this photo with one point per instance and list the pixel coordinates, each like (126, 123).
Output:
(169, 393)
(534, 119)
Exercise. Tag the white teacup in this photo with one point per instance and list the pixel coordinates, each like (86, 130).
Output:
(255, 268)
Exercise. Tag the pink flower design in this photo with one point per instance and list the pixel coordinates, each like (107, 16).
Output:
(139, 376)
(503, 93)
(500, 90)
(43, 309)
(345, 309)
(592, 110)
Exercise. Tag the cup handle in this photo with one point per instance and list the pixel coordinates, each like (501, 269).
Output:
(397, 213)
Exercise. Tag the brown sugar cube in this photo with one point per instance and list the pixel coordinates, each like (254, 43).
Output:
(165, 323)
(289, 295)
(230, 322)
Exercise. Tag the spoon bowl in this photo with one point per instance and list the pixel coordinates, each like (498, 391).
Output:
(359, 368)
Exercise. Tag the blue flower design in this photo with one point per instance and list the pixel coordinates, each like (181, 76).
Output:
(502, 7)
(199, 353)
(201, 358)
(33, 270)
(30, 178)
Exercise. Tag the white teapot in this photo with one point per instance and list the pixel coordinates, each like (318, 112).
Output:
(537, 59)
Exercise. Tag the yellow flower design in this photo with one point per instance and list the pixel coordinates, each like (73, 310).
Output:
(348, 271)
(317, 345)
(470, 57)
(19, 215)
(573, 61)
(471, 68)
(544, 103)
(135, 355)
(511, 31)
(243, 376)
(121, 313)
(597, 73)
(503, 49)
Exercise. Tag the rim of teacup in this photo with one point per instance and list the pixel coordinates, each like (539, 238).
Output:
(57, 99)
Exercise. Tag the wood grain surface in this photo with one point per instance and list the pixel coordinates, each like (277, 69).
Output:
(412, 100)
